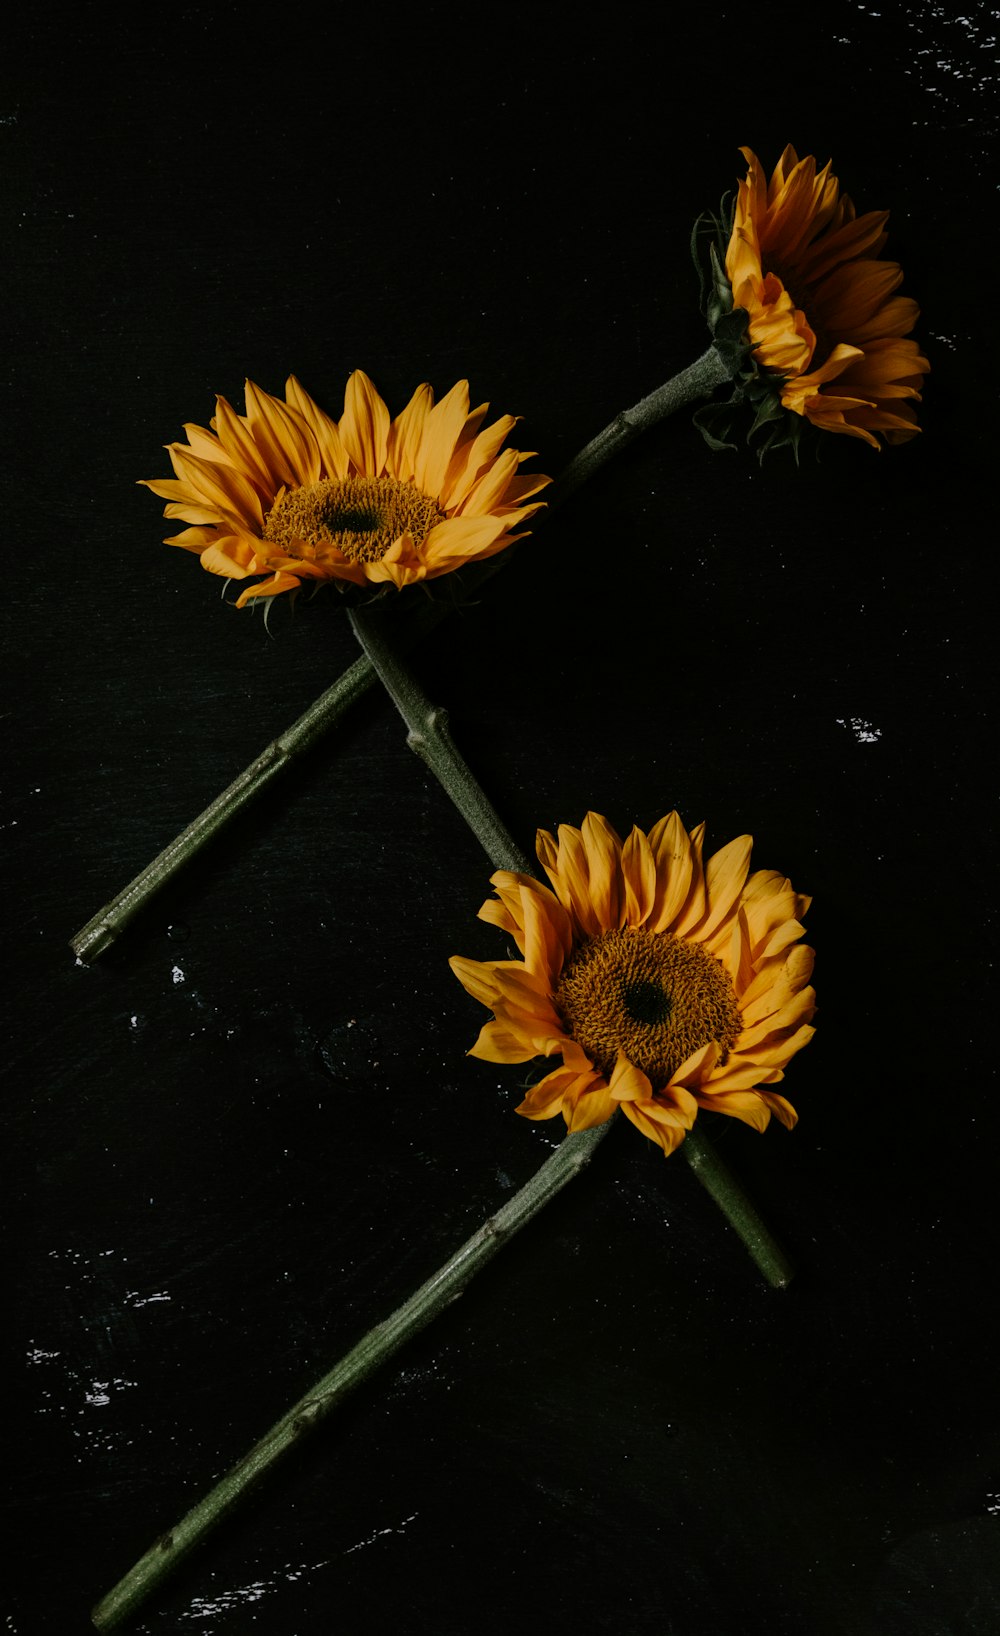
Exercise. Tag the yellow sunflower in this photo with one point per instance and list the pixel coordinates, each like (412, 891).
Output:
(665, 984)
(285, 491)
(823, 310)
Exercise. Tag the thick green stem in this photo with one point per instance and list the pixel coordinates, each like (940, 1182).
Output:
(698, 381)
(376, 1348)
(97, 936)
(430, 737)
(715, 1175)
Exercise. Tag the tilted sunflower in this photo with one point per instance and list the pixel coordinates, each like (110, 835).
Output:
(285, 491)
(823, 311)
(664, 983)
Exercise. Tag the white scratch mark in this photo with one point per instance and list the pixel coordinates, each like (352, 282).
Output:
(380, 1534)
(864, 731)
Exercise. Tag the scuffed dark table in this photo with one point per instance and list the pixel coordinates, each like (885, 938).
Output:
(246, 1133)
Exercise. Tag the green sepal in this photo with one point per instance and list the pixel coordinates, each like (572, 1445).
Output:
(709, 239)
(729, 335)
(714, 422)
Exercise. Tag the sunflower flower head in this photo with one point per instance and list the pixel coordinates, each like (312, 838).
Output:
(796, 290)
(285, 495)
(662, 983)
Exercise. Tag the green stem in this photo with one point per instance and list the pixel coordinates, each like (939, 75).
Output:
(376, 1348)
(699, 380)
(715, 1175)
(430, 737)
(97, 936)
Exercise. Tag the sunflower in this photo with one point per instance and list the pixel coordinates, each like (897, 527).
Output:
(664, 984)
(285, 491)
(823, 312)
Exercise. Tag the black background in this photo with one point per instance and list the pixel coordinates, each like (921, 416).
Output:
(251, 1129)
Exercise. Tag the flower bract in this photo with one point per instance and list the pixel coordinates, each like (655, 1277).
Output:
(288, 493)
(663, 983)
(825, 318)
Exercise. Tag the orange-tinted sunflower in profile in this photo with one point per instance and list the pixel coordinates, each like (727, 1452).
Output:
(824, 315)
(286, 492)
(664, 983)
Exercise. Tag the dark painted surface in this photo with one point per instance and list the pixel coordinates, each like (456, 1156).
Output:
(248, 1132)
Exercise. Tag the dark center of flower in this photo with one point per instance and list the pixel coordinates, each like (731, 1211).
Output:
(646, 1002)
(361, 517)
(656, 997)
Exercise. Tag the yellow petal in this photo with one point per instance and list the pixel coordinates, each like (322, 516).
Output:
(232, 557)
(219, 486)
(405, 434)
(461, 539)
(775, 981)
(507, 886)
(603, 851)
(725, 874)
(696, 1067)
(283, 438)
(639, 877)
(204, 443)
(670, 846)
(629, 1083)
(745, 1105)
(792, 1012)
(476, 977)
(441, 430)
(332, 454)
(364, 428)
(499, 1044)
(782, 1109)
(667, 1136)
(192, 539)
(234, 435)
(548, 935)
(472, 458)
(593, 1106)
(488, 493)
(271, 587)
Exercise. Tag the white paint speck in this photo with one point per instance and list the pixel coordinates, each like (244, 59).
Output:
(864, 731)
(380, 1534)
(177, 975)
(206, 1608)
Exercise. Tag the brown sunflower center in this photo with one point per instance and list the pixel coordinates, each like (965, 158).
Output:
(653, 996)
(361, 516)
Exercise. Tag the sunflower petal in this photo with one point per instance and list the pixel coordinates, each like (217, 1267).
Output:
(639, 876)
(603, 851)
(364, 428)
(282, 436)
(667, 1135)
(593, 1105)
(498, 1043)
(628, 1083)
(333, 456)
(441, 430)
(405, 434)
